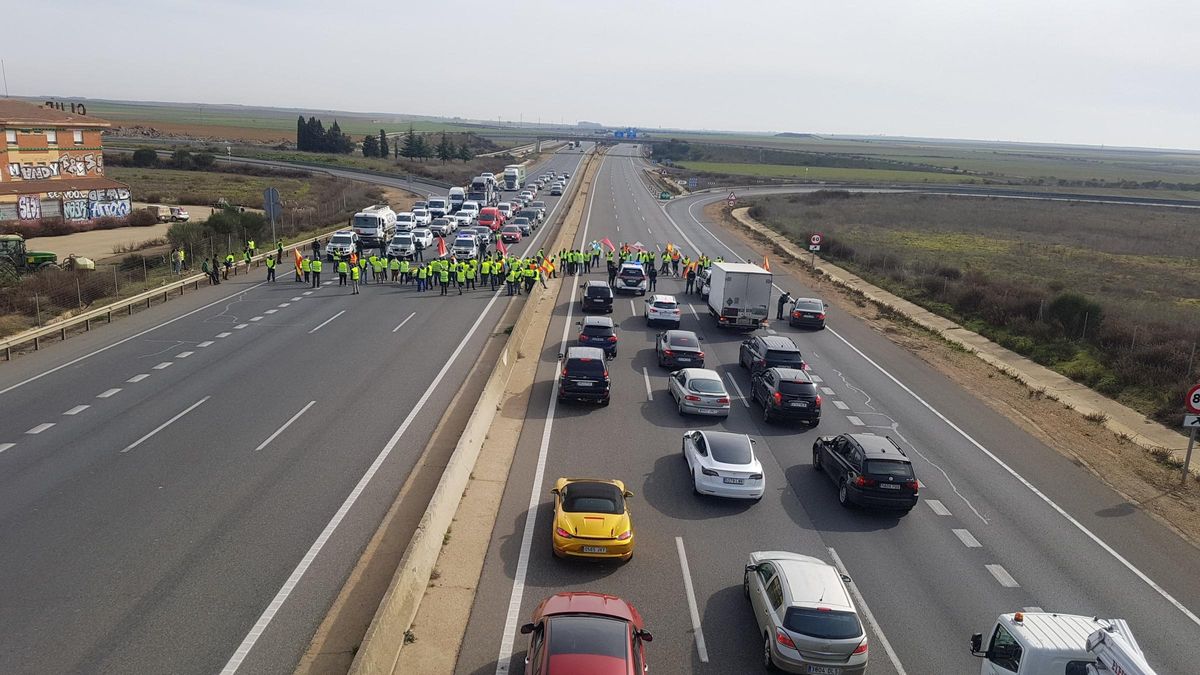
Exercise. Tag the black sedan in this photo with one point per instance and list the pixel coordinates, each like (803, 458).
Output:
(808, 313)
(678, 349)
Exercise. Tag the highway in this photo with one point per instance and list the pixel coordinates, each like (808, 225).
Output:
(186, 490)
(1004, 522)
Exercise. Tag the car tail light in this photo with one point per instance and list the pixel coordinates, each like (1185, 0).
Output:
(582, 337)
(562, 533)
(821, 316)
(912, 484)
(863, 481)
(612, 338)
(668, 352)
(701, 354)
(625, 535)
(796, 314)
(708, 472)
(691, 397)
(723, 400)
(756, 476)
(804, 365)
(761, 362)
(861, 649)
(784, 639)
(564, 372)
(818, 401)
(778, 398)
(606, 375)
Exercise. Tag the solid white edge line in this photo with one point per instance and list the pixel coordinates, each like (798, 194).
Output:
(1162, 592)
(123, 341)
(862, 602)
(166, 424)
(738, 389)
(693, 609)
(507, 638)
(326, 321)
(404, 322)
(649, 391)
(286, 424)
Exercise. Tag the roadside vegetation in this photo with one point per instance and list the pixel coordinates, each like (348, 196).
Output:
(1104, 294)
(819, 173)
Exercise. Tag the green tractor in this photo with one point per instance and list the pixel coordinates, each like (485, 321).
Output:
(16, 260)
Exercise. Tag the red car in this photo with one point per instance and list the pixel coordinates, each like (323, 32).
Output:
(491, 217)
(585, 634)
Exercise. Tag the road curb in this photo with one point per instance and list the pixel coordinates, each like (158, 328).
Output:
(1117, 418)
(381, 647)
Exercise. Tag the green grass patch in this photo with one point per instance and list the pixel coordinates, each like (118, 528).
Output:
(823, 173)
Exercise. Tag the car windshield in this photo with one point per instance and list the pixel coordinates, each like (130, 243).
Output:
(780, 356)
(511, 229)
(823, 623)
(341, 240)
(366, 221)
(586, 366)
(538, 204)
(810, 306)
(437, 204)
(521, 221)
(593, 498)
(602, 331)
(578, 634)
(680, 340)
(404, 217)
(707, 386)
(632, 273)
(402, 240)
(805, 388)
(887, 467)
(732, 449)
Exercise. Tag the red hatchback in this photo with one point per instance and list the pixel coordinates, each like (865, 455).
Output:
(491, 217)
(585, 634)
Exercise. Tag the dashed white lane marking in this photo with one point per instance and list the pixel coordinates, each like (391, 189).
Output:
(270, 311)
(738, 390)
(6, 446)
(284, 304)
(827, 391)
(862, 602)
(286, 424)
(855, 421)
(166, 424)
(701, 649)
(938, 507)
(967, 538)
(1002, 576)
(326, 321)
(771, 331)
(77, 409)
(815, 378)
(223, 335)
(110, 392)
(1034, 608)
(183, 355)
(138, 378)
(693, 308)
(404, 322)
(163, 366)
(256, 318)
(298, 298)
(206, 343)
(840, 405)
(240, 326)
(308, 292)
(40, 428)
(649, 391)
(632, 307)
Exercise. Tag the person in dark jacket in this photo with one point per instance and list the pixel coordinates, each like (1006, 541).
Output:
(783, 301)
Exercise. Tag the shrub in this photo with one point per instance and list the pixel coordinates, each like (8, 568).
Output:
(145, 157)
(142, 218)
(203, 161)
(1074, 314)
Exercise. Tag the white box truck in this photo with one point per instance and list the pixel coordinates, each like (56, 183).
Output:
(438, 207)
(739, 295)
(1046, 643)
(457, 197)
(374, 225)
(514, 176)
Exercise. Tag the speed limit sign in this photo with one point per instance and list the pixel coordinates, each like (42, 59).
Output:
(815, 240)
(1192, 400)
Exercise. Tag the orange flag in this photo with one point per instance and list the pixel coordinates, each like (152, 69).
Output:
(299, 259)
(766, 264)
(353, 258)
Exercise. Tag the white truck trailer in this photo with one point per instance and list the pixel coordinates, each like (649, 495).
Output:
(374, 225)
(514, 176)
(739, 295)
(1046, 643)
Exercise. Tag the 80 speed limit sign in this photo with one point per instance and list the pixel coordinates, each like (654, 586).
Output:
(1192, 400)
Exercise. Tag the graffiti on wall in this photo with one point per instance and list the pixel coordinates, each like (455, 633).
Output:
(112, 202)
(75, 209)
(69, 194)
(81, 165)
(29, 207)
(31, 171)
(71, 165)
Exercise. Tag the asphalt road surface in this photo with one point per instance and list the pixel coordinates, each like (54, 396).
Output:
(186, 490)
(1004, 522)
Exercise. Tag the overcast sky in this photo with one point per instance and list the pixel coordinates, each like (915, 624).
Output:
(1095, 71)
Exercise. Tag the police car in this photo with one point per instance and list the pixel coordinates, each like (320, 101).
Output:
(631, 278)
(343, 243)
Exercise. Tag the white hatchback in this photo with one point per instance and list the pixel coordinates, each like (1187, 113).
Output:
(723, 464)
(662, 308)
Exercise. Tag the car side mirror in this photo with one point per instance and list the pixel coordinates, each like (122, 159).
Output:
(560, 356)
(751, 568)
(578, 323)
(646, 636)
(528, 628)
(846, 578)
(628, 494)
(977, 644)
(553, 491)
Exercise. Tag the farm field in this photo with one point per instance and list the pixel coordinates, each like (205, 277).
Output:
(824, 173)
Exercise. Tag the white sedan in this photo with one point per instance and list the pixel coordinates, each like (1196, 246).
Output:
(423, 236)
(662, 308)
(422, 217)
(723, 464)
(699, 391)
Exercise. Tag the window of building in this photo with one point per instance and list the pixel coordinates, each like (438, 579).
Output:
(52, 137)
(10, 135)
(78, 133)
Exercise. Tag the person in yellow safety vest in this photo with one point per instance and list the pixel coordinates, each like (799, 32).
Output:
(250, 248)
(497, 273)
(460, 276)
(527, 275)
(486, 270)
(316, 272)
(228, 266)
(511, 281)
(399, 270)
(271, 269)
(355, 273)
(377, 267)
(246, 255)
(343, 271)
(422, 275)
(444, 276)
(306, 268)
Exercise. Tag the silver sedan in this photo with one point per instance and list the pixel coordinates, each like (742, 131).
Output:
(699, 391)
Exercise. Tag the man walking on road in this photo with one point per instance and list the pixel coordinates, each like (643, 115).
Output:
(271, 269)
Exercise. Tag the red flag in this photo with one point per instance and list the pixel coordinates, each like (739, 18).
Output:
(441, 246)
(501, 247)
(608, 243)
(766, 264)
(299, 259)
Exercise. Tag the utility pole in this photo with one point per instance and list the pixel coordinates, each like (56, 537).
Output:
(5, 70)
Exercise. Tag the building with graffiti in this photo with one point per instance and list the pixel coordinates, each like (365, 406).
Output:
(52, 165)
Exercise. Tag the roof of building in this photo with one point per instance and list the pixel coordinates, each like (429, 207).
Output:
(64, 184)
(14, 112)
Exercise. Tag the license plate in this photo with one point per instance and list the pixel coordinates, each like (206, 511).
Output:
(735, 481)
(683, 359)
(799, 404)
(808, 316)
(585, 384)
(889, 486)
(595, 549)
(822, 670)
(714, 411)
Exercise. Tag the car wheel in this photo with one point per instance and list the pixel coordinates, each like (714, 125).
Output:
(816, 459)
(814, 423)
(844, 495)
(679, 407)
(604, 403)
(746, 584)
(768, 661)
(742, 360)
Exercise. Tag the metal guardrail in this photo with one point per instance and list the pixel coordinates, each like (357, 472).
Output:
(105, 313)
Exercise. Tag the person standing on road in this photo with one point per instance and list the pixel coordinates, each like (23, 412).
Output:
(316, 248)
(316, 272)
(420, 251)
(270, 269)
(444, 276)
(355, 273)
(306, 268)
(278, 249)
(691, 279)
(612, 272)
(783, 301)
(343, 271)
(652, 276)
(460, 276)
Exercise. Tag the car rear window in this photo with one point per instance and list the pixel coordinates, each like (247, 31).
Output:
(802, 388)
(705, 386)
(887, 467)
(779, 356)
(588, 635)
(633, 273)
(599, 292)
(602, 331)
(823, 624)
(735, 450)
(683, 341)
(665, 305)
(593, 367)
(809, 306)
(593, 498)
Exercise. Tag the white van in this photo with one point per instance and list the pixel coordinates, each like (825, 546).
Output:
(405, 221)
(438, 206)
(465, 247)
(374, 225)
(457, 197)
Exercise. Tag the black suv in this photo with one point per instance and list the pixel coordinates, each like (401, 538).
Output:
(678, 349)
(760, 353)
(786, 393)
(868, 470)
(598, 331)
(584, 376)
(597, 297)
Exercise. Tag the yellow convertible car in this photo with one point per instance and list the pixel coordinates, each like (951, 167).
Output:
(591, 519)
